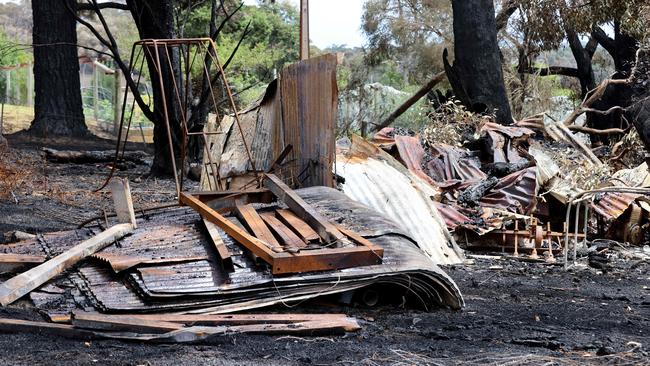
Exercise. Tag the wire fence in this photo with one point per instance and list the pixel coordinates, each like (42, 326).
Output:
(102, 92)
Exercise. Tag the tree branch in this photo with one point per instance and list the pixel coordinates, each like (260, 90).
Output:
(551, 70)
(106, 5)
(604, 40)
(506, 12)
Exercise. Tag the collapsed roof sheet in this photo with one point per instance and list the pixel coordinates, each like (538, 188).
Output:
(201, 285)
(376, 179)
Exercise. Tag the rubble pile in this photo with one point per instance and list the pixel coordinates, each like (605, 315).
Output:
(530, 187)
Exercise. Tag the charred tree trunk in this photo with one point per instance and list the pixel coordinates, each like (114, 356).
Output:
(58, 107)
(622, 48)
(476, 76)
(157, 22)
(583, 62)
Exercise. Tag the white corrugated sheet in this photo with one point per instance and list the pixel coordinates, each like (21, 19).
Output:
(378, 182)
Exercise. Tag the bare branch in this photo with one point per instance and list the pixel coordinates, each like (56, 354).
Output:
(106, 5)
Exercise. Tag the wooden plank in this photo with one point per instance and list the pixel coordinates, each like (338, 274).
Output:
(122, 201)
(219, 246)
(250, 242)
(251, 219)
(35, 327)
(161, 323)
(97, 321)
(22, 284)
(288, 237)
(324, 259)
(14, 262)
(323, 227)
(304, 231)
(363, 241)
(238, 319)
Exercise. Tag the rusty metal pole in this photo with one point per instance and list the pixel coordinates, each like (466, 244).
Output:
(304, 29)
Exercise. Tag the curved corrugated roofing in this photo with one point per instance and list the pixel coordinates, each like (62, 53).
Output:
(377, 182)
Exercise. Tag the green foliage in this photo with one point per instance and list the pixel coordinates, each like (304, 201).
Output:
(271, 43)
(412, 34)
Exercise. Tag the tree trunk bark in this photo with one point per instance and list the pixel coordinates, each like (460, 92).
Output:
(156, 21)
(58, 108)
(583, 62)
(477, 75)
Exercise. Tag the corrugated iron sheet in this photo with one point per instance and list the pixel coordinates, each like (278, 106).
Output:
(375, 181)
(298, 109)
(612, 205)
(309, 97)
(203, 285)
(412, 154)
(516, 192)
(449, 163)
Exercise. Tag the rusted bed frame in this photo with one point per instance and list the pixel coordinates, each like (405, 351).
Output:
(341, 248)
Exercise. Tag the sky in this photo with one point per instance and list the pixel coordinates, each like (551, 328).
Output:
(333, 22)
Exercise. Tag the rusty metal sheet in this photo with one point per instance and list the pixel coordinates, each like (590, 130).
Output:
(504, 139)
(203, 286)
(449, 163)
(412, 154)
(516, 192)
(612, 205)
(175, 237)
(309, 97)
(298, 109)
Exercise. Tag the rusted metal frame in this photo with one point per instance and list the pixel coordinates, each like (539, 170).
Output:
(278, 160)
(229, 203)
(206, 196)
(323, 227)
(304, 231)
(324, 259)
(363, 241)
(528, 233)
(215, 58)
(166, 118)
(288, 237)
(183, 115)
(214, 167)
(282, 263)
(252, 220)
(256, 246)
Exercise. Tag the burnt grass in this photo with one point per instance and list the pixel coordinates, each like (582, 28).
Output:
(516, 311)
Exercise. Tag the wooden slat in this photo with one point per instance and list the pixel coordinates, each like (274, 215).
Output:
(288, 237)
(250, 242)
(363, 241)
(323, 227)
(14, 262)
(236, 319)
(22, 284)
(251, 219)
(122, 201)
(304, 231)
(219, 245)
(126, 323)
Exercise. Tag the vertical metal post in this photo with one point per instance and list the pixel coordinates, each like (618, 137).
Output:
(117, 105)
(30, 85)
(7, 85)
(95, 91)
(304, 29)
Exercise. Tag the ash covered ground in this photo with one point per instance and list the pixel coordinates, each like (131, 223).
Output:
(516, 311)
